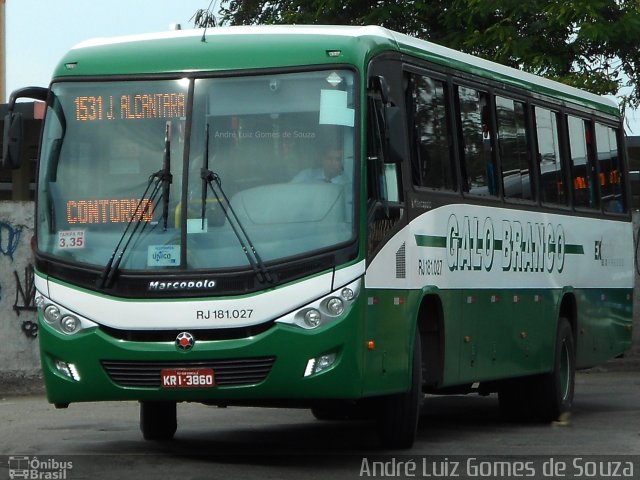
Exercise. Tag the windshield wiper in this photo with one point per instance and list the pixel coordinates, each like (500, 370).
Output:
(205, 166)
(210, 179)
(165, 175)
(161, 178)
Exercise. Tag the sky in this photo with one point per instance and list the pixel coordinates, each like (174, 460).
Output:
(40, 32)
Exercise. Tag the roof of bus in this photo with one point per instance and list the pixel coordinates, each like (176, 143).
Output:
(256, 47)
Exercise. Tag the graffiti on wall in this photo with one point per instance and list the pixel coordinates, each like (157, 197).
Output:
(25, 288)
(9, 238)
(25, 299)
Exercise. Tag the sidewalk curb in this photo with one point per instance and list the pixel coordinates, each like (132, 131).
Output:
(21, 383)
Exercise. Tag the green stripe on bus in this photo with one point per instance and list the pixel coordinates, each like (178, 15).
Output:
(574, 249)
(436, 241)
(431, 241)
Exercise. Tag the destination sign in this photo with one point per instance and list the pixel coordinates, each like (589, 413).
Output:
(140, 106)
(105, 211)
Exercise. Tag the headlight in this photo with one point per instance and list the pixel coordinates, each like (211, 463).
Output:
(312, 318)
(51, 313)
(335, 306)
(347, 294)
(61, 319)
(325, 310)
(69, 324)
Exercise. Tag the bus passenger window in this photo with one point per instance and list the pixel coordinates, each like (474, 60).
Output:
(611, 191)
(512, 142)
(548, 157)
(582, 167)
(431, 160)
(476, 142)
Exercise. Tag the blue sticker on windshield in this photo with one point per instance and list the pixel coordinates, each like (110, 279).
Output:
(163, 256)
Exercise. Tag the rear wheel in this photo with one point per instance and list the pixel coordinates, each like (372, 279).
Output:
(544, 397)
(555, 389)
(158, 420)
(399, 413)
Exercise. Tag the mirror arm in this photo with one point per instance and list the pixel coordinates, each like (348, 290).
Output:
(35, 93)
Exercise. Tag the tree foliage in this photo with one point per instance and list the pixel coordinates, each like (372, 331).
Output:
(590, 44)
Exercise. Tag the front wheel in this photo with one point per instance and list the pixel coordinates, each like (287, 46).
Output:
(399, 413)
(158, 420)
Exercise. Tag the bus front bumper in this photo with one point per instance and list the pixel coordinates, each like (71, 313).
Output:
(282, 364)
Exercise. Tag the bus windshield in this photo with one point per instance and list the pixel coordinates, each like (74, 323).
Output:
(196, 173)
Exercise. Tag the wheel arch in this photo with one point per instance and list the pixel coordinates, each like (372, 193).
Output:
(569, 310)
(430, 323)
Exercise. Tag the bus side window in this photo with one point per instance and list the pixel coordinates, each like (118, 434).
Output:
(383, 179)
(548, 157)
(610, 171)
(583, 169)
(512, 142)
(431, 160)
(477, 151)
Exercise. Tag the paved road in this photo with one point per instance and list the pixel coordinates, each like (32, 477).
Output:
(103, 440)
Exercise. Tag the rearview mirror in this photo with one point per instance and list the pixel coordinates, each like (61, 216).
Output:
(13, 135)
(12, 140)
(392, 126)
(395, 134)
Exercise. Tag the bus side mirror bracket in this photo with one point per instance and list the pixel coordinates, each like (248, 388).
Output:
(13, 134)
(392, 124)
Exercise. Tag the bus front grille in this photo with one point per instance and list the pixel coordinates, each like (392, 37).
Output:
(230, 372)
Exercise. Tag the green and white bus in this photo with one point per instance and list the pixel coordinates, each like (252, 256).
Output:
(334, 218)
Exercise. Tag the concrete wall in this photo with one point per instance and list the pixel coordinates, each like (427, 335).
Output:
(19, 355)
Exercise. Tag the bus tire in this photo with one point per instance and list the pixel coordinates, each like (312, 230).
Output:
(158, 420)
(554, 392)
(399, 414)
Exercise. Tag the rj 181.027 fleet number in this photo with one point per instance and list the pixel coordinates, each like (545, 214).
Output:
(224, 314)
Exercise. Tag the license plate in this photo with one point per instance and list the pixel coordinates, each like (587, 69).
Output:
(187, 378)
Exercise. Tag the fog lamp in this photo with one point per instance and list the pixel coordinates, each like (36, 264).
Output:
(319, 364)
(67, 369)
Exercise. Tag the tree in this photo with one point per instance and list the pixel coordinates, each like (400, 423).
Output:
(590, 44)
